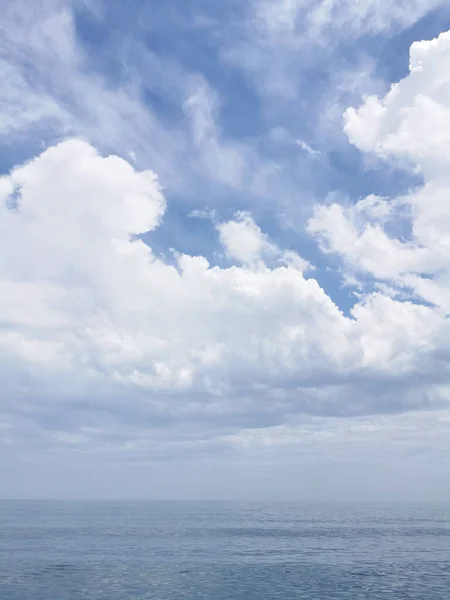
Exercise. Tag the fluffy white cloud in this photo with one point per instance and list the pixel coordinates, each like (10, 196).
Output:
(412, 122)
(90, 313)
(98, 300)
(411, 125)
(243, 241)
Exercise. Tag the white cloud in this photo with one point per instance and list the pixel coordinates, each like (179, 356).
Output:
(412, 122)
(410, 125)
(308, 60)
(53, 89)
(110, 301)
(229, 161)
(244, 241)
(307, 148)
(91, 313)
(289, 20)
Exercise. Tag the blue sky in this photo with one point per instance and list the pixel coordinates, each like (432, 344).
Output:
(224, 247)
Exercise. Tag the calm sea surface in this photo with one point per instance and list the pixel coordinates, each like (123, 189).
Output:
(168, 551)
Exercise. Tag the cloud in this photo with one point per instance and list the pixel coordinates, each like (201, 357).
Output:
(243, 240)
(54, 88)
(307, 148)
(290, 19)
(411, 126)
(110, 353)
(228, 162)
(412, 122)
(309, 60)
(69, 232)
(91, 315)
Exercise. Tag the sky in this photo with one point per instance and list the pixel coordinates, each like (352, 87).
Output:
(224, 250)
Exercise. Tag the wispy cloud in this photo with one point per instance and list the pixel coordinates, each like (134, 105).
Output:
(307, 148)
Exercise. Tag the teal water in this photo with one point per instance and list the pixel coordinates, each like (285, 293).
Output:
(168, 551)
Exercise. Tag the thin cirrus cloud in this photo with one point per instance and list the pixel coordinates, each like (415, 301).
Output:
(114, 357)
(54, 89)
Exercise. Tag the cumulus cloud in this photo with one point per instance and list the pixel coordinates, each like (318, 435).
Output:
(411, 123)
(90, 314)
(411, 126)
(243, 240)
(69, 233)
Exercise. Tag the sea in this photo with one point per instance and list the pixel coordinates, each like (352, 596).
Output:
(222, 551)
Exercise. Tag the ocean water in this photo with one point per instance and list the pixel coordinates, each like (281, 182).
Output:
(168, 551)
